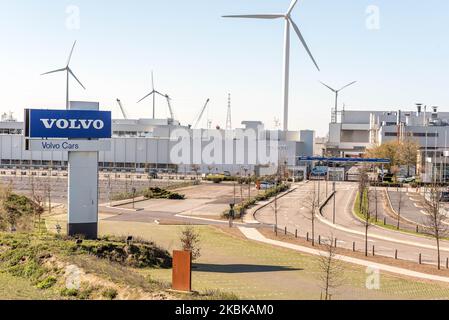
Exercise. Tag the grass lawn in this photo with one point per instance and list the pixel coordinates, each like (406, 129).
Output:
(14, 288)
(254, 270)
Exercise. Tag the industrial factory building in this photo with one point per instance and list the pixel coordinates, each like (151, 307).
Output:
(355, 131)
(144, 145)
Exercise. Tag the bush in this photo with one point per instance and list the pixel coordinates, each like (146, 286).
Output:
(176, 196)
(241, 208)
(69, 292)
(137, 255)
(47, 283)
(17, 210)
(109, 294)
(190, 240)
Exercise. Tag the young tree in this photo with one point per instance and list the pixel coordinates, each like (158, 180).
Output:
(38, 198)
(190, 241)
(399, 209)
(408, 153)
(364, 201)
(196, 168)
(436, 221)
(331, 270)
(388, 150)
(312, 206)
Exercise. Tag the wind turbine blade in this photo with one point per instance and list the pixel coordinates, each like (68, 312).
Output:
(298, 32)
(328, 86)
(145, 97)
(292, 6)
(162, 95)
(54, 71)
(256, 16)
(348, 85)
(70, 55)
(152, 79)
(73, 75)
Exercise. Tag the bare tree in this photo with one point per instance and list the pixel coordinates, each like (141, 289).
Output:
(376, 201)
(190, 241)
(363, 183)
(48, 193)
(331, 269)
(38, 198)
(312, 206)
(196, 168)
(364, 202)
(399, 209)
(436, 221)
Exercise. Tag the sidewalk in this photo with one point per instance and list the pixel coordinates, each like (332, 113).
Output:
(255, 235)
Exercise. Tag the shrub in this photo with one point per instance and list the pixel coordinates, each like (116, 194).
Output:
(109, 294)
(69, 292)
(47, 283)
(190, 241)
(241, 208)
(138, 255)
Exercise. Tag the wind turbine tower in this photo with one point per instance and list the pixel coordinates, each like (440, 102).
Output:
(69, 73)
(153, 93)
(335, 115)
(289, 23)
(229, 117)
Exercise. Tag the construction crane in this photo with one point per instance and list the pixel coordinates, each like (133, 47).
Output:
(172, 115)
(198, 119)
(125, 116)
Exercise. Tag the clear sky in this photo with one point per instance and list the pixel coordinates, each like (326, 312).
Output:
(196, 54)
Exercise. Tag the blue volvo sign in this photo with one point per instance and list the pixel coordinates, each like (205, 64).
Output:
(71, 124)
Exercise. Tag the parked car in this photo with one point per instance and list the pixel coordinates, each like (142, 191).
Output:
(444, 196)
(266, 185)
(319, 171)
(152, 174)
(410, 179)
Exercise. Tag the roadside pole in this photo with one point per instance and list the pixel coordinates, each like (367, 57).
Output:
(334, 212)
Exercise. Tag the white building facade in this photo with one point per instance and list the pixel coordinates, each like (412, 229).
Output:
(153, 144)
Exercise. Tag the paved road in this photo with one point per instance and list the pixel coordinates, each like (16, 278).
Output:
(293, 214)
(203, 204)
(410, 204)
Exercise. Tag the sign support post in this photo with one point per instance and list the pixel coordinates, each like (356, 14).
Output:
(83, 187)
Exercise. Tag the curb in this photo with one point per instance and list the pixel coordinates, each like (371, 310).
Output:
(270, 202)
(348, 230)
(255, 235)
(400, 217)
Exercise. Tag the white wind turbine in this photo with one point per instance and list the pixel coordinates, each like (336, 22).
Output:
(153, 93)
(68, 73)
(336, 95)
(288, 23)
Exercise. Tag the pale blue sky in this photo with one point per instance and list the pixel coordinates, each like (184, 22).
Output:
(196, 54)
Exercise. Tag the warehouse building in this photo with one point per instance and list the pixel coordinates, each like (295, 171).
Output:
(148, 144)
(355, 131)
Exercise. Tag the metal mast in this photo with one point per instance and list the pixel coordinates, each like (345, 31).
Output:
(229, 117)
